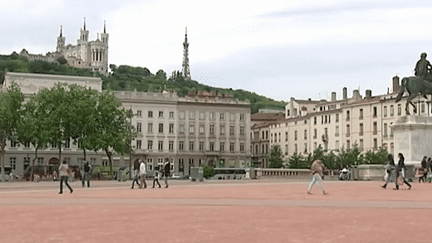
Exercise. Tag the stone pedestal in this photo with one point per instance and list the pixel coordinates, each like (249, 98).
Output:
(413, 138)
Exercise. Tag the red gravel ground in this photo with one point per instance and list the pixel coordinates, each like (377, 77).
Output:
(233, 211)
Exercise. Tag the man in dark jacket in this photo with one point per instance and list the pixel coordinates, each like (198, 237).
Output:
(166, 171)
(86, 175)
(424, 169)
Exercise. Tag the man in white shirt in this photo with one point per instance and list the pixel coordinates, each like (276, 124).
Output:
(142, 172)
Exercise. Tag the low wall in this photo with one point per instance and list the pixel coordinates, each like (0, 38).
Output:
(268, 172)
(371, 172)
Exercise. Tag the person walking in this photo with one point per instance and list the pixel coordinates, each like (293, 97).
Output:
(317, 173)
(166, 171)
(401, 171)
(429, 168)
(391, 171)
(143, 172)
(135, 174)
(86, 174)
(157, 176)
(424, 170)
(63, 172)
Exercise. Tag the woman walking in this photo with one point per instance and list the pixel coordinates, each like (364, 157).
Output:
(157, 176)
(63, 171)
(391, 171)
(135, 174)
(401, 171)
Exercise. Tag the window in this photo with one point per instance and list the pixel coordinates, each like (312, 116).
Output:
(231, 147)
(138, 144)
(242, 117)
(361, 129)
(422, 108)
(242, 130)
(280, 137)
(305, 122)
(12, 162)
(399, 109)
(286, 136)
(150, 163)
(242, 147)
(337, 144)
(222, 146)
(275, 137)
(160, 162)
(375, 143)
(138, 113)
(315, 120)
(385, 111)
(150, 113)
(171, 145)
(171, 114)
(222, 129)
(232, 116)
(385, 130)
(181, 145)
(347, 115)
(212, 116)
(391, 131)
(361, 114)
(201, 146)
(104, 162)
(348, 144)
(361, 145)
(211, 129)
(305, 134)
(150, 128)
(191, 145)
(201, 129)
(305, 148)
(160, 114)
(202, 116)
(222, 116)
(181, 128)
(391, 110)
(191, 115)
(211, 146)
(150, 144)
(139, 127)
(26, 162)
(40, 161)
(375, 111)
(231, 130)
(315, 145)
(191, 128)
(92, 161)
(375, 128)
(182, 115)
(286, 148)
(295, 135)
(347, 130)
(295, 148)
(315, 133)
(337, 117)
(171, 128)
(337, 131)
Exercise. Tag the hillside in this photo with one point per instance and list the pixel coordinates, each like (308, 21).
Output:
(134, 78)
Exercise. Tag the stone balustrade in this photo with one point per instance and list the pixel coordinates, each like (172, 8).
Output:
(269, 172)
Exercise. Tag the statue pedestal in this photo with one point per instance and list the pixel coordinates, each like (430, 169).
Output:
(413, 138)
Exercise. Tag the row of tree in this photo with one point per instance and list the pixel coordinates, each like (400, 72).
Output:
(331, 159)
(63, 114)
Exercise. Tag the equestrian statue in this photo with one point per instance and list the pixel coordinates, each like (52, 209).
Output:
(420, 84)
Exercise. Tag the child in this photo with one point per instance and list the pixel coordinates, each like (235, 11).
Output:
(157, 176)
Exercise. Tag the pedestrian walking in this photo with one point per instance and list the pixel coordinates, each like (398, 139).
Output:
(63, 172)
(135, 174)
(391, 171)
(424, 169)
(317, 173)
(86, 174)
(166, 171)
(400, 171)
(143, 174)
(429, 169)
(157, 176)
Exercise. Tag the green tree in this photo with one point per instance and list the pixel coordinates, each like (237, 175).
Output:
(208, 171)
(297, 161)
(10, 114)
(61, 60)
(378, 157)
(276, 157)
(350, 156)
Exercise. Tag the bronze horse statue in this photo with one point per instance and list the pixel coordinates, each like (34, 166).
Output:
(414, 86)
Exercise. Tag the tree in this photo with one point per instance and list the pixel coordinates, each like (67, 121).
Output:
(10, 114)
(380, 157)
(61, 60)
(297, 161)
(276, 157)
(350, 156)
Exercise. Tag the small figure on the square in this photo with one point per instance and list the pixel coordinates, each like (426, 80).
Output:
(157, 176)
(64, 172)
(87, 173)
(390, 170)
(317, 173)
(424, 169)
(143, 174)
(135, 174)
(400, 171)
(166, 171)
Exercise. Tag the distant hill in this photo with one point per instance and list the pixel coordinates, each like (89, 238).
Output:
(134, 78)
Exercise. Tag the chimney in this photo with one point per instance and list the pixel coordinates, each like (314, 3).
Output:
(396, 86)
(356, 95)
(368, 94)
(333, 96)
(345, 93)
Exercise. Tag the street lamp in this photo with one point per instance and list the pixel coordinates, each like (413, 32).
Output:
(130, 115)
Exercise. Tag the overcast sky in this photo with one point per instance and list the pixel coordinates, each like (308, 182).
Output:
(280, 49)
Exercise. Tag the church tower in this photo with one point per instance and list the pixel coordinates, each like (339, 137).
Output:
(61, 42)
(185, 68)
(84, 33)
(104, 38)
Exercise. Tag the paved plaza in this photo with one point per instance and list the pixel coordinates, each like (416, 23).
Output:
(272, 210)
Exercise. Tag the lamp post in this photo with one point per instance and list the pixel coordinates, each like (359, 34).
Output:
(130, 114)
